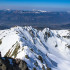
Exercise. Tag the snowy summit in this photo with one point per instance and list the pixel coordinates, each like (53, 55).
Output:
(41, 49)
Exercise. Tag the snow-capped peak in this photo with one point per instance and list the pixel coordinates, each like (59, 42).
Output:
(41, 49)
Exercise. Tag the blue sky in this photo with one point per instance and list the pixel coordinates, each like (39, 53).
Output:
(53, 5)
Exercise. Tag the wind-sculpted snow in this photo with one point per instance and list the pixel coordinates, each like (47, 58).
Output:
(41, 49)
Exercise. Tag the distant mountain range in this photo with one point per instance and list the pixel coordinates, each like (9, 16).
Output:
(38, 19)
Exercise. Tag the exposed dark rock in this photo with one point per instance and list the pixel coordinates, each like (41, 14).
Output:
(23, 65)
(43, 68)
(0, 54)
(7, 63)
(58, 36)
(16, 47)
(26, 56)
(40, 58)
(48, 68)
(31, 33)
(2, 65)
(0, 41)
(56, 45)
(36, 64)
(68, 46)
(34, 69)
(68, 37)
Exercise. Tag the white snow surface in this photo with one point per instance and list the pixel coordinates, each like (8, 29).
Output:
(53, 48)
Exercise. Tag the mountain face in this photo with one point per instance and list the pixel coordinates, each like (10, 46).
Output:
(41, 49)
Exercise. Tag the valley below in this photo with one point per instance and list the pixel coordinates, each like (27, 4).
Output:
(36, 19)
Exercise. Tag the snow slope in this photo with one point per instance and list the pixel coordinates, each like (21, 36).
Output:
(41, 49)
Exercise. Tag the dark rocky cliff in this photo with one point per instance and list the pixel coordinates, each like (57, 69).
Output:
(7, 63)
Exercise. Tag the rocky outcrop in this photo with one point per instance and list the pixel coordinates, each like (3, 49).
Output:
(7, 63)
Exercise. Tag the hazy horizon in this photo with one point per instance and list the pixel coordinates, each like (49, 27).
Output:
(48, 5)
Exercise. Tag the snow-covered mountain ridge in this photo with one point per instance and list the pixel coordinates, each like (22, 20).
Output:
(41, 49)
